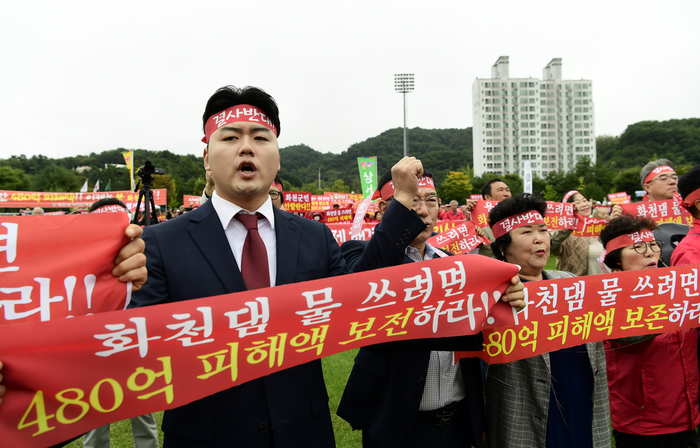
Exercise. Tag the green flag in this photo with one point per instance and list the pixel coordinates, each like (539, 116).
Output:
(368, 175)
(108, 187)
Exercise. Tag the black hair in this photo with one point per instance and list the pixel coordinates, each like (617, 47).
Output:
(106, 201)
(486, 189)
(386, 177)
(279, 181)
(688, 183)
(520, 203)
(620, 226)
(230, 96)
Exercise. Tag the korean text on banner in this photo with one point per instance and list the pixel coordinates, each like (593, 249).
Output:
(571, 311)
(60, 266)
(368, 175)
(111, 366)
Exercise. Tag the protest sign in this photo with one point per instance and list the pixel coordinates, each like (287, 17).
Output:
(60, 266)
(297, 202)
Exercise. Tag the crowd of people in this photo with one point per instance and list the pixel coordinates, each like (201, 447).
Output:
(412, 393)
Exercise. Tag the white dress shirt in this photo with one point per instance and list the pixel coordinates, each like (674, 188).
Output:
(236, 232)
(443, 381)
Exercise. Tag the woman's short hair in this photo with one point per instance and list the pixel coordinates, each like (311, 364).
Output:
(620, 226)
(520, 203)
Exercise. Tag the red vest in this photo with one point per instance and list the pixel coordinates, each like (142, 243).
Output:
(654, 384)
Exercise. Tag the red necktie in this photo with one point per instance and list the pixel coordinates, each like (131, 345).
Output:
(254, 267)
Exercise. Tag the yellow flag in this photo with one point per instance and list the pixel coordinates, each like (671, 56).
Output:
(129, 159)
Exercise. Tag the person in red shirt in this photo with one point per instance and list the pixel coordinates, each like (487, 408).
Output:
(653, 384)
(688, 250)
(454, 214)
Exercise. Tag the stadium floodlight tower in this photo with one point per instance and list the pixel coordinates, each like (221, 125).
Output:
(403, 83)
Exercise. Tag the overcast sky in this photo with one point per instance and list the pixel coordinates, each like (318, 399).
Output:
(88, 76)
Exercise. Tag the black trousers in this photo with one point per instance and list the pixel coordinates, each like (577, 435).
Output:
(673, 440)
(430, 435)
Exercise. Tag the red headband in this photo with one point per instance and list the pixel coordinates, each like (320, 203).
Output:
(528, 218)
(628, 239)
(689, 201)
(241, 112)
(110, 209)
(278, 186)
(568, 195)
(656, 171)
(387, 190)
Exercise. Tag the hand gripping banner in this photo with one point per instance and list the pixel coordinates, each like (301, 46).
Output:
(67, 376)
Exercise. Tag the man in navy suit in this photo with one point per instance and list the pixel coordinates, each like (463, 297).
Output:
(199, 254)
(410, 393)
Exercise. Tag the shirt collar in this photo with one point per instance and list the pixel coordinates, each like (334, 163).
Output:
(227, 210)
(429, 252)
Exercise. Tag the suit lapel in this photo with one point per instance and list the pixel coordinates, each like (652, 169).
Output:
(209, 236)
(287, 234)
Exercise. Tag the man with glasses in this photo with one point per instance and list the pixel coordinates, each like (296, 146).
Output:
(412, 393)
(276, 193)
(659, 180)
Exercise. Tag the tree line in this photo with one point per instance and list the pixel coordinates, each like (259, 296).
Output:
(446, 152)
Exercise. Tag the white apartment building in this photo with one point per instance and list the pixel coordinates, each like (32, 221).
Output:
(548, 122)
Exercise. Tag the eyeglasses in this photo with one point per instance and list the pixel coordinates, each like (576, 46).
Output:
(430, 202)
(641, 247)
(274, 194)
(665, 178)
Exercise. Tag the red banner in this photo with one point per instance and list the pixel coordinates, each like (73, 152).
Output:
(60, 266)
(115, 365)
(480, 213)
(344, 198)
(460, 239)
(660, 211)
(341, 232)
(320, 203)
(619, 198)
(112, 366)
(339, 215)
(22, 199)
(588, 226)
(191, 201)
(296, 202)
(559, 216)
(572, 311)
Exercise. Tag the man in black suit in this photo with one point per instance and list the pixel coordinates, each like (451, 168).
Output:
(199, 256)
(410, 393)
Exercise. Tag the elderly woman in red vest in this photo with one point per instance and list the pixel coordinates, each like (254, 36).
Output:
(653, 384)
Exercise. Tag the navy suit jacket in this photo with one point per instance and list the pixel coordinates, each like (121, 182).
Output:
(189, 258)
(384, 391)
